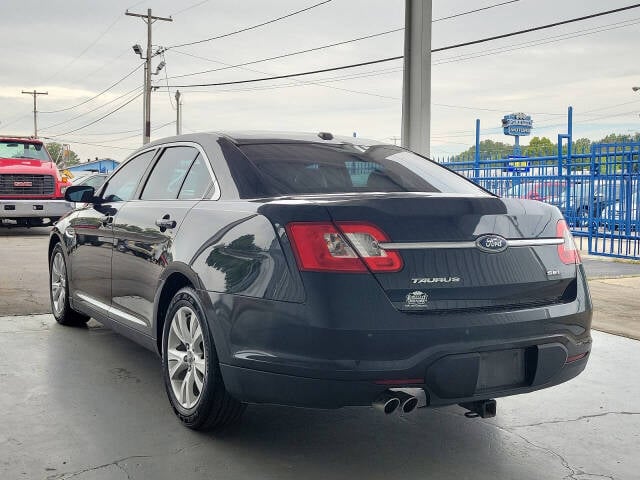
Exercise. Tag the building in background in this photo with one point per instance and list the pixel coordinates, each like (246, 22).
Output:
(102, 165)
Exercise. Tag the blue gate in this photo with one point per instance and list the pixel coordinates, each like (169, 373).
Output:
(596, 190)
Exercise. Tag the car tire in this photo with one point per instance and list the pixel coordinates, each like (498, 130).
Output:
(59, 291)
(190, 367)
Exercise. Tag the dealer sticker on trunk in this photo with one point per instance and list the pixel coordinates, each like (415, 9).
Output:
(416, 299)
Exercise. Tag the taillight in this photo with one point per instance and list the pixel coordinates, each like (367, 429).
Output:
(322, 247)
(567, 250)
(365, 238)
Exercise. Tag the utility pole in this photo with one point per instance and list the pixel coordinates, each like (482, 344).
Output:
(416, 86)
(149, 19)
(178, 113)
(35, 109)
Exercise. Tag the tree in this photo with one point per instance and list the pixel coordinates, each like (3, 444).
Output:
(62, 158)
(540, 147)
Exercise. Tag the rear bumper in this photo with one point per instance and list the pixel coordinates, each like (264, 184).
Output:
(34, 208)
(254, 386)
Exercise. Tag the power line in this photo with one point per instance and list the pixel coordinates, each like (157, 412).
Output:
(455, 15)
(92, 110)
(188, 8)
(98, 95)
(533, 43)
(285, 55)
(300, 83)
(56, 139)
(252, 27)
(308, 50)
(131, 136)
(291, 75)
(99, 119)
(535, 29)
(449, 47)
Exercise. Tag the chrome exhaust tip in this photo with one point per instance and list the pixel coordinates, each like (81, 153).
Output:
(408, 403)
(387, 403)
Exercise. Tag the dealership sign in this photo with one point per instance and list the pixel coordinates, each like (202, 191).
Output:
(517, 124)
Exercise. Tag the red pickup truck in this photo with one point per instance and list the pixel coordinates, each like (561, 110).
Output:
(31, 187)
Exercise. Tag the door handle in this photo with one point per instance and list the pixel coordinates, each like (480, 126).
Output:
(165, 223)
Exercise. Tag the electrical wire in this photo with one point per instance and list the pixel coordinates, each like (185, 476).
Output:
(92, 110)
(285, 55)
(95, 96)
(188, 8)
(440, 49)
(99, 119)
(302, 83)
(538, 28)
(456, 15)
(252, 27)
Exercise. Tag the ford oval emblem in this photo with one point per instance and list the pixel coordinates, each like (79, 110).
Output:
(492, 243)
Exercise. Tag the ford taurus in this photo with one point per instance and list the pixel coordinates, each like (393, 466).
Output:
(318, 271)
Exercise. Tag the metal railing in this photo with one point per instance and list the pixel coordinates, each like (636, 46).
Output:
(598, 191)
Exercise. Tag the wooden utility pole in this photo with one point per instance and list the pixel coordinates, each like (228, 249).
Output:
(35, 109)
(149, 19)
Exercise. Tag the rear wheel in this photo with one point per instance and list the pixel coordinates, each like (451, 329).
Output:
(190, 367)
(59, 291)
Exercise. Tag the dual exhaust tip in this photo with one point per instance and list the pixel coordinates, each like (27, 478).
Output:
(390, 401)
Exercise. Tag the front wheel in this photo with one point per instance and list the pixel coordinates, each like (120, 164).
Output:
(59, 291)
(190, 367)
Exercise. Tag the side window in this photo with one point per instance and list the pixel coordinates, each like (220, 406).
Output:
(197, 182)
(168, 174)
(124, 182)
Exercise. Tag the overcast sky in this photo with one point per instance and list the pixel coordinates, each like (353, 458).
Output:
(75, 49)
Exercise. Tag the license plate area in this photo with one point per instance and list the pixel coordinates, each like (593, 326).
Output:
(502, 369)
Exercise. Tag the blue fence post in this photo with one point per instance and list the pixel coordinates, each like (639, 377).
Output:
(592, 172)
(568, 206)
(476, 161)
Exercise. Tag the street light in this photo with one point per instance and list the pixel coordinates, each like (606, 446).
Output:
(137, 50)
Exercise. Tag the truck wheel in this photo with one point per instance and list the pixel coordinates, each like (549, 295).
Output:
(190, 367)
(59, 291)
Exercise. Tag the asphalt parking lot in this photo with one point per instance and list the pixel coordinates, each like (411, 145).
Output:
(85, 403)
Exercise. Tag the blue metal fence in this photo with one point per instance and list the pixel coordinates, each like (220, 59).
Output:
(598, 191)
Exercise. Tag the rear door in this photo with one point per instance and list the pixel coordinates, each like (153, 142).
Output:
(145, 229)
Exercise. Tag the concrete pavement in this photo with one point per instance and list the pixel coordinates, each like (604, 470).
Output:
(87, 404)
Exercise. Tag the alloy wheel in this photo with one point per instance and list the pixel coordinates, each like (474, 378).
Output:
(58, 283)
(186, 357)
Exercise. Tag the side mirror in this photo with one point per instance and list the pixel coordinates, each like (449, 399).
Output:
(80, 193)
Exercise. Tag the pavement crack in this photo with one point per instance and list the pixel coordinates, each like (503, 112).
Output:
(578, 419)
(115, 463)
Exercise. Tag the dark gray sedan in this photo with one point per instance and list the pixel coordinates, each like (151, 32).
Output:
(316, 271)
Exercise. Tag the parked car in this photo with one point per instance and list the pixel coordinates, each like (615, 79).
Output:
(93, 179)
(321, 271)
(605, 193)
(624, 214)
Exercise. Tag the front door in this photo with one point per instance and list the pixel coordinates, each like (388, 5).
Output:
(92, 227)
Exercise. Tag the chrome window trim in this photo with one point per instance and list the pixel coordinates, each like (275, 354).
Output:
(110, 310)
(511, 243)
(216, 186)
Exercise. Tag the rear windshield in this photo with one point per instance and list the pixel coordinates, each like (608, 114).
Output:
(34, 151)
(308, 168)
